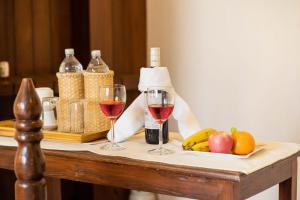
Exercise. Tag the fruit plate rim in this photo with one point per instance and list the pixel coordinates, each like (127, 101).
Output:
(258, 148)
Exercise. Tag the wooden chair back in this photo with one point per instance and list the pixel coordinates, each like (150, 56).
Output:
(29, 160)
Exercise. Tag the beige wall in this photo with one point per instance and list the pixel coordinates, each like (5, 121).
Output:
(236, 62)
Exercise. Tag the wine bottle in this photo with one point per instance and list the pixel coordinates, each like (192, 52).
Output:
(151, 126)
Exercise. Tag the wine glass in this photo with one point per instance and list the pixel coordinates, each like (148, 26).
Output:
(160, 101)
(112, 103)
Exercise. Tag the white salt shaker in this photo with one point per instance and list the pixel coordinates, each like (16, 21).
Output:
(49, 113)
(48, 102)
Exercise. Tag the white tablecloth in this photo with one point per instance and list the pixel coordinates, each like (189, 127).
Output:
(136, 148)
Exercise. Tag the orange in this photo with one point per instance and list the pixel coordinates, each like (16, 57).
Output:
(243, 143)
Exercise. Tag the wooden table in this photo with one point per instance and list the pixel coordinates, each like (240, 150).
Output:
(164, 178)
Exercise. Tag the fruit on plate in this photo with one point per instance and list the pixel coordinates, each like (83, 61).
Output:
(243, 142)
(220, 142)
(198, 137)
(201, 146)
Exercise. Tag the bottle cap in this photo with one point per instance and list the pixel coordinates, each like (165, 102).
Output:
(154, 56)
(69, 51)
(95, 53)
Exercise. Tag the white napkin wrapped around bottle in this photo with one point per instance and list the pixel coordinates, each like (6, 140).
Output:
(133, 117)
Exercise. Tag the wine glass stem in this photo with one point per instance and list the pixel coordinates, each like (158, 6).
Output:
(160, 135)
(112, 122)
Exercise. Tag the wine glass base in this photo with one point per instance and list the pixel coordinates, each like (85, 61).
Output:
(112, 147)
(160, 151)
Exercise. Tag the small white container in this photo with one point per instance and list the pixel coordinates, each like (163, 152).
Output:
(49, 113)
(4, 69)
(48, 102)
(44, 92)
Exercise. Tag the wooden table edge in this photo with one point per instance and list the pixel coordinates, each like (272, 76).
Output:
(255, 182)
(233, 181)
(212, 173)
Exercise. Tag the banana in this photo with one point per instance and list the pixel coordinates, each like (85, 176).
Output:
(200, 136)
(202, 146)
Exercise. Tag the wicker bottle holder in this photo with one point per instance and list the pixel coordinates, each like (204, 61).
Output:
(93, 81)
(94, 120)
(63, 115)
(75, 86)
(70, 86)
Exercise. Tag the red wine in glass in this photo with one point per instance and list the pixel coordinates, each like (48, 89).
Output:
(160, 112)
(112, 109)
(160, 108)
(112, 100)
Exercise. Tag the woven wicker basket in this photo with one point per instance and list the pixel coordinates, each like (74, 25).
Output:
(92, 82)
(94, 120)
(63, 115)
(70, 115)
(75, 86)
(70, 85)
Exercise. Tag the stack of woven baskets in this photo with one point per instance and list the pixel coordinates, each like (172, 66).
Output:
(82, 87)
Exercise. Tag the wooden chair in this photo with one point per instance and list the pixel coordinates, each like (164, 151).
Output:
(29, 159)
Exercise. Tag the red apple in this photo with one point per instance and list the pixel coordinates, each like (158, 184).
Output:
(220, 142)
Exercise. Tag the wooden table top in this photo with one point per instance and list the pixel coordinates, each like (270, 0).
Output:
(156, 177)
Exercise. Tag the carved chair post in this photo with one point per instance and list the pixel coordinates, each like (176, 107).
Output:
(29, 160)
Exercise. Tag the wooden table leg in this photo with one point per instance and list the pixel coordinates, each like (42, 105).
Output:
(231, 191)
(53, 189)
(288, 188)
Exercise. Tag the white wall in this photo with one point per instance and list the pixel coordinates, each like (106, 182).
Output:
(237, 63)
